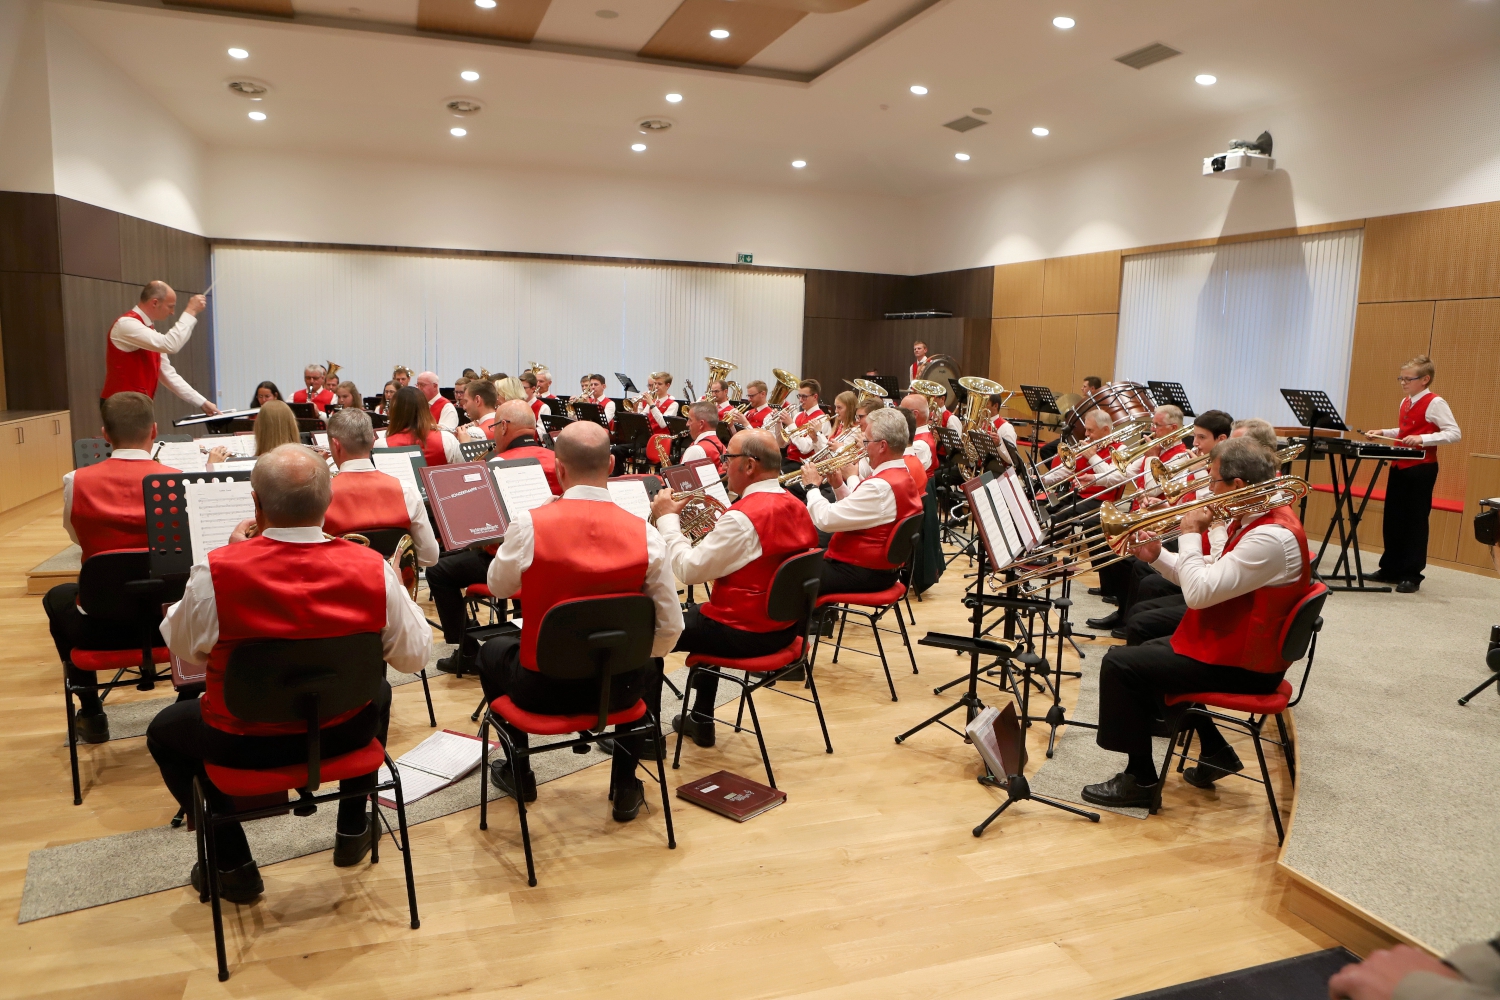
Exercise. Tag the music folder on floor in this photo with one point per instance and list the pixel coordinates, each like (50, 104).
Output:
(730, 795)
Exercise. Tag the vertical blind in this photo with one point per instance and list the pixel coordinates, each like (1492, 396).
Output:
(1237, 323)
(277, 311)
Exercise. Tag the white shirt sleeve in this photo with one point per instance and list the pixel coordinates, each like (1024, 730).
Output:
(452, 451)
(1106, 473)
(1008, 433)
(693, 453)
(449, 419)
(421, 528)
(544, 411)
(130, 334)
(178, 385)
(191, 627)
(406, 640)
(870, 505)
(68, 507)
(922, 452)
(609, 411)
(732, 544)
(662, 590)
(1265, 556)
(1440, 413)
(513, 558)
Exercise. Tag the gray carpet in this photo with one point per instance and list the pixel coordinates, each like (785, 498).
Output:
(110, 869)
(70, 558)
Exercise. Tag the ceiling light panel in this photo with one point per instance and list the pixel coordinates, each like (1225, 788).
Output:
(1063, 22)
(239, 54)
(1205, 79)
(469, 76)
(687, 35)
(918, 89)
(515, 21)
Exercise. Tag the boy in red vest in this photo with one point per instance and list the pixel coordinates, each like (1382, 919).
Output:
(1228, 640)
(319, 588)
(103, 510)
(1426, 422)
(364, 497)
(581, 545)
(135, 354)
(761, 530)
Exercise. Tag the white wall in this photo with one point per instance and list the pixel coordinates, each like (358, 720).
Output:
(254, 195)
(1413, 144)
(113, 145)
(25, 129)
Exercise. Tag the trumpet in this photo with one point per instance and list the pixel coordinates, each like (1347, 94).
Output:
(848, 454)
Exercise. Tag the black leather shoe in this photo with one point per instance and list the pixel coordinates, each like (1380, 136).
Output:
(243, 885)
(1380, 576)
(1408, 586)
(1118, 633)
(1212, 768)
(1111, 620)
(700, 732)
(456, 663)
(1096, 591)
(500, 778)
(1110, 599)
(653, 745)
(628, 800)
(92, 728)
(349, 849)
(1122, 792)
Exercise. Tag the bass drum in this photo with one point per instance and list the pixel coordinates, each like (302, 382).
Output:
(944, 370)
(1121, 400)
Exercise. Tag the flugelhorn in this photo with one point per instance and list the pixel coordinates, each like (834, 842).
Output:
(848, 455)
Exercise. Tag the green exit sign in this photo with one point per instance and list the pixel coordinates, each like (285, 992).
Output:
(745, 258)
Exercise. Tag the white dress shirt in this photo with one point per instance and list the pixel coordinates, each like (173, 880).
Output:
(451, 450)
(869, 504)
(733, 543)
(695, 451)
(478, 428)
(659, 416)
(134, 332)
(1104, 471)
(1440, 413)
(1265, 556)
(126, 454)
(921, 450)
(191, 627)
(422, 537)
(447, 414)
(808, 444)
(519, 548)
(1006, 431)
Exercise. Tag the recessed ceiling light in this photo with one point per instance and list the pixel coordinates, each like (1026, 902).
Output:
(799, 164)
(1063, 22)
(239, 53)
(469, 75)
(982, 111)
(961, 156)
(1040, 131)
(458, 133)
(718, 33)
(639, 147)
(918, 89)
(257, 116)
(1206, 79)
(607, 14)
(486, 4)
(674, 98)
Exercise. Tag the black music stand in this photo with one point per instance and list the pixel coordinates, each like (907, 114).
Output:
(1041, 400)
(591, 413)
(448, 393)
(626, 382)
(473, 451)
(305, 411)
(889, 383)
(1011, 742)
(169, 536)
(1172, 394)
(554, 423)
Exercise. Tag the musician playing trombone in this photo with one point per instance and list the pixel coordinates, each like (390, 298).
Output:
(759, 531)
(1228, 640)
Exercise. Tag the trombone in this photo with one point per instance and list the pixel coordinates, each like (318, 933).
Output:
(1068, 453)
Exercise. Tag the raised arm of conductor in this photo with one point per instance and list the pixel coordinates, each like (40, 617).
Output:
(135, 331)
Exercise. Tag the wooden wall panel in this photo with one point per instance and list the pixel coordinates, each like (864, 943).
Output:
(1386, 335)
(28, 232)
(1095, 351)
(968, 293)
(1483, 477)
(89, 239)
(513, 20)
(1018, 343)
(31, 315)
(976, 356)
(1086, 283)
(1448, 253)
(1018, 289)
(1464, 336)
(850, 294)
(1059, 343)
(277, 8)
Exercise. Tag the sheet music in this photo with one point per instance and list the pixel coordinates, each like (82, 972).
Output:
(631, 494)
(380, 438)
(522, 487)
(995, 492)
(398, 464)
(320, 438)
(213, 511)
(1021, 512)
(184, 456)
(236, 465)
(432, 765)
(999, 555)
(709, 476)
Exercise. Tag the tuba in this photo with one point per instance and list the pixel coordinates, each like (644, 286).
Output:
(867, 390)
(975, 418)
(330, 370)
(718, 371)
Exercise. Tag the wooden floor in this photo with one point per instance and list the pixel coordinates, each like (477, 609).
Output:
(867, 883)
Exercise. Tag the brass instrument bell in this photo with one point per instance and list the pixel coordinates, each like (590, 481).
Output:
(867, 390)
(786, 385)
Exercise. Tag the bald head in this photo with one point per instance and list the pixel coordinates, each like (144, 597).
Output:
(158, 290)
(759, 445)
(583, 454)
(292, 487)
(917, 404)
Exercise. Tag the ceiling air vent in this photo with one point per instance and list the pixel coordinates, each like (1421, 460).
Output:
(654, 124)
(965, 123)
(252, 89)
(463, 107)
(1150, 55)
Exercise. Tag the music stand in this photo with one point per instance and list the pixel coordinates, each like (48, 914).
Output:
(209, 418)
(626, 382)
(474, 451)
(1011, 777)
(304, 411)
(169, 535)
(889, 383)
(1172, 394)
(960, 394)
(448, 393)
(555, 423)
(590, 412)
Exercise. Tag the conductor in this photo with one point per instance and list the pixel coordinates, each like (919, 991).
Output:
(135, 354)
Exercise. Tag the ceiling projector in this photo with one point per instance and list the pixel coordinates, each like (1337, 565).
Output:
(1244, 159)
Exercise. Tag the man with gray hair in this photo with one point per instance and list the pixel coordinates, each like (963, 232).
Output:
(1258, 430)
(315, 392)
(863, 520)
(286, 582)
(703, 428)
(1229, 638)
(364, 497)
(444, 413)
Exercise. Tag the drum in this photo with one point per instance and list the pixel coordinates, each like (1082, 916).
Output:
(1121, 400)
(943, 369)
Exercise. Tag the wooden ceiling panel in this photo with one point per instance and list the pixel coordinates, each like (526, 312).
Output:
(512, 20)
(684, 37)
(278, 8)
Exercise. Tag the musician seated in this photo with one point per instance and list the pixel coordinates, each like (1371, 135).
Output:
(387, 394)
(1228, 639)
(923, 446)
(543, 383)
(480, 400)
(1090, 385)
(1003, 428)
(411, 423)
(863, 520)
(348, 397)
(755, 395)
(801, 447)
(582, 545)
(264, 393)
(1260, 431)
(444, 413)
(103, 511)
(314, 391)
(364, 497)
(718, 394)
(703, 428)
(274, 426)
(593, 388)
(534, 397)
(320, 588)
(657, 403)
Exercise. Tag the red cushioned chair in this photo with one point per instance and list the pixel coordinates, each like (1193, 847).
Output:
(117, 587)
(902, 545)
(308, 681)
(1299, 638)
(793, 596)
(592, 638)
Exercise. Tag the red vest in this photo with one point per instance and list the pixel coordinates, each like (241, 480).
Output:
(536, 405)
(919, 475)
(486, 424)
(323, 400)
(318, 591)
(757, 417)
(129, 371)
(436, 406)
(1414, 421)
(916, 368)
(713, 448)
(1082, 464)
(583, 548)
(432, 448)
(795, 453)
(867, 547)
(924, 434)
(785, 529)
(368, 499)
(109, 508)
(546, 456)
(1245, 631)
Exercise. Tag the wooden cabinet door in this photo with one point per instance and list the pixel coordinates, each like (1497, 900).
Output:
(61, 428)
(38, 458)
(12, 486)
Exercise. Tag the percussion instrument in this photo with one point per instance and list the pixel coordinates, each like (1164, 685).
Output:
(1065, 403)
(941, 368)
(1121, 400)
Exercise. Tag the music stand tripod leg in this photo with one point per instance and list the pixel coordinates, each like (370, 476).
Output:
(1018, 789)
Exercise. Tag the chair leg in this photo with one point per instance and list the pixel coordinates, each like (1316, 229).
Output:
(201, 841)
(411, 882)
(817, 704)
(765, 757)
(1265, 776)
(427, 693)
(211, 879)
(515, 759)
(843, 612)
(880, 647)
(484, 772)
(687, 692)
(661, 778)
(1287, 749)
(72, 742)
(910, 652)
(1186, 735)
(1166, 764)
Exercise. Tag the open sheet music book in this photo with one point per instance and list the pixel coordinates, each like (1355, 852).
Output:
(184, 456)
(631, 494)
(522, 484)
(213, 511)
(693, 475)
(432, 765)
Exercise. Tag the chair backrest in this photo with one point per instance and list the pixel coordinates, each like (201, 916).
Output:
(118, 586)
(596, 637)
(1302, 623)
(794, 588)
(91, 451)
(904, 539)
(383, 540)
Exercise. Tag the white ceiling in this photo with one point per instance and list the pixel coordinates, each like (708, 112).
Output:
(371, 90)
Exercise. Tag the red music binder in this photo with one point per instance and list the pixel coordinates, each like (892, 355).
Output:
(730, 795)
(466, 507)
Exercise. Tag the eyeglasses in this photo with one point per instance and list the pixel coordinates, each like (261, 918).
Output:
(804, 395)
(1410, 378)
(737, 454)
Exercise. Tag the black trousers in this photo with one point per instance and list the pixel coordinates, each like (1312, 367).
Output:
(1144, 583)
(446, 581)
(181, 743)
(847, 578)
(701, 634)
(72, 629)
(500, 672)
(1154, 618)
(1408, 505)
(1134, 679)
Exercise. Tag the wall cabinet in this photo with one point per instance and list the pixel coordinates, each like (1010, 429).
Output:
(36, 450)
